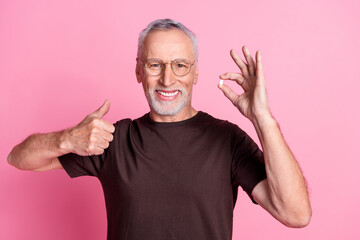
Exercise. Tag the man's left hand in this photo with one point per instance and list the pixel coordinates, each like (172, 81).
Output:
(253, 103)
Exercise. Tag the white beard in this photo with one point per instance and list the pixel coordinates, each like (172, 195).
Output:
(168, 108)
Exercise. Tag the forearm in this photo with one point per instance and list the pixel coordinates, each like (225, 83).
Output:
(37, 150)
(287, 186)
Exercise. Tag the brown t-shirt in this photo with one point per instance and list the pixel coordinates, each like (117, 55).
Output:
(176, 180)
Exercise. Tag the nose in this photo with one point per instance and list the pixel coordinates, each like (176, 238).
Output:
(168, 78)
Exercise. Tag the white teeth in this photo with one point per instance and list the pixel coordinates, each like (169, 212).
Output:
(168, 94)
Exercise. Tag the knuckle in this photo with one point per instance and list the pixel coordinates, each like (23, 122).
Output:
(90, 148)
(92, 139)
(93, 131)
(94, 122)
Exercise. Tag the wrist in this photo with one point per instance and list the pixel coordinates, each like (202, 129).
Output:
(264, 126)
(64, 145)
(263, 118)
(264, 121)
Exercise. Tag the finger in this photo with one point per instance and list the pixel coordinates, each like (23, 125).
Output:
(229, 93)
(102, 144)
(87, 153)
(102, 110)
(97, 142)
(259, 67)
(96, 125)
(107, 136)
(97, 151)
(240, 63)
(107, 126)
(238, 77)
(92, 150)
(249, 60)
(232, 76)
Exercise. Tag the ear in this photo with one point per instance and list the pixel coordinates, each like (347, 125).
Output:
(138, 73)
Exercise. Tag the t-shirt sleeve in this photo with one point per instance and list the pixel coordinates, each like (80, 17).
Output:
(76, 165)
(248, 167)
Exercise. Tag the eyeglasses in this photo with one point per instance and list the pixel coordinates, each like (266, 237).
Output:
(155, 67)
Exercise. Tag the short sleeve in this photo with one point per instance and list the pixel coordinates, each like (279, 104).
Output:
(247, 168)
(76, 166)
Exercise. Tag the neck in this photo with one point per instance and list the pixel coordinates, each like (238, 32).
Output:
(181, 116)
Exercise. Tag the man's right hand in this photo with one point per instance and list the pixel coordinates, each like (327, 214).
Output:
(91, 136)
(40, 152)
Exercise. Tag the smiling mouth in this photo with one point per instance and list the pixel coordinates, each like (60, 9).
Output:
(167, 93)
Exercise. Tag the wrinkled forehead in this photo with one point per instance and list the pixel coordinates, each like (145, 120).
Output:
(168, 45)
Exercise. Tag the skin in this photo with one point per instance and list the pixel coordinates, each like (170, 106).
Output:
(283, 194)
(168, 46)
(40, 152)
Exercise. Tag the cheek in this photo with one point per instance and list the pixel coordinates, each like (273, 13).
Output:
(189, 81)
(188, 85)
(148, 83)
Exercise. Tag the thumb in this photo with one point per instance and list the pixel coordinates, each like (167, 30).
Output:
(102, 110)
(228, 92)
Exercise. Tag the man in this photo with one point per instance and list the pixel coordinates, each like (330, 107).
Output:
(174, 173)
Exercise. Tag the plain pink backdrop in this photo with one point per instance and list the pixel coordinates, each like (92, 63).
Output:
(59, 60)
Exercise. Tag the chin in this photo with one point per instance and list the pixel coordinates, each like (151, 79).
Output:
(167, 109)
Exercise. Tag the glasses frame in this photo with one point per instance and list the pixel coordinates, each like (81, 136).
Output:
(163, 66)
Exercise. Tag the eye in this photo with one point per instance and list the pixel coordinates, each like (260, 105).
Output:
(180, 65)
(154, 65)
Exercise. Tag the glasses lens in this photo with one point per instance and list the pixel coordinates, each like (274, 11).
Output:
(181, 67)
(153, 67)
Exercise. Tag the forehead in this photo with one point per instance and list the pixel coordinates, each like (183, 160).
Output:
(168, 45)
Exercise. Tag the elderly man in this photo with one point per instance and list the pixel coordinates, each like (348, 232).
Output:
(174, 172)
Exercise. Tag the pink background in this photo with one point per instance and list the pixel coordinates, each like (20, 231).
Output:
(59, 60)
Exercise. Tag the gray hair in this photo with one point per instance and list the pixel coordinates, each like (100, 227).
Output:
(166, 24)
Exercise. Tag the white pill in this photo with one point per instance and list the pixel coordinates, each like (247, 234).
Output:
(221, 82)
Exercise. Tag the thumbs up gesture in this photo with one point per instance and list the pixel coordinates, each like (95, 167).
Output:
(92, 135)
